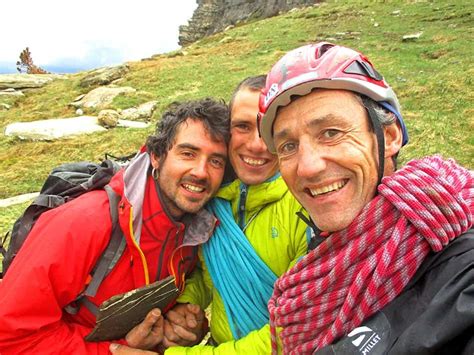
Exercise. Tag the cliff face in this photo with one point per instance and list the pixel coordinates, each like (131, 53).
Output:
(213, 16)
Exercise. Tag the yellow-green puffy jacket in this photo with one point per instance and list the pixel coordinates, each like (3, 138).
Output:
(278, 237)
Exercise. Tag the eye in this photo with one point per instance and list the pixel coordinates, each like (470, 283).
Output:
(241, 127)
(286, 149)
(187, 153)
(331, 133)
(217, 163)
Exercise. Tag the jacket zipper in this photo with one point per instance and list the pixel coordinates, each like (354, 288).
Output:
(179, 279)
(243, 200)
(162, 252)
(140, 252)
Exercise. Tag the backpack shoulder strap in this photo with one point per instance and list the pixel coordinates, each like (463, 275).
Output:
(3, 250)
(108, 259)
(114, 249)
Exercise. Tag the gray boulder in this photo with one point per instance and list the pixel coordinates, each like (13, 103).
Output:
(108, 118)
(140, 113)
(104, 76)
(100, 97)
(26, 81)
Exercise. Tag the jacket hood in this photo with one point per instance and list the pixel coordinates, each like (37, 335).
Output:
(130, 183)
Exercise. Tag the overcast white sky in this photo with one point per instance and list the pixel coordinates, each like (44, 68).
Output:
(68, 36)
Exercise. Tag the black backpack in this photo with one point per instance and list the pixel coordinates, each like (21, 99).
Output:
(65, 183)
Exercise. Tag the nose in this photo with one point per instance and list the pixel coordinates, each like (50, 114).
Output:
(199, 170)
(311, 160)
(256, 143)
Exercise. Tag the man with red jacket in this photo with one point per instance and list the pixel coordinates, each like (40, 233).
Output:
(162, 193)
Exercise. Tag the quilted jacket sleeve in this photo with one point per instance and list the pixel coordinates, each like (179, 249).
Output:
(48, 273)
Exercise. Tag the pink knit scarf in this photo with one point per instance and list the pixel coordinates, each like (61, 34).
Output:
(355, 272)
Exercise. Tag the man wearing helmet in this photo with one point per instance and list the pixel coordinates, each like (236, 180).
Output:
(392, 269)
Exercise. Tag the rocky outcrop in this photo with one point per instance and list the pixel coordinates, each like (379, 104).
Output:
(212, 16)
(104, 76)
(25, 81)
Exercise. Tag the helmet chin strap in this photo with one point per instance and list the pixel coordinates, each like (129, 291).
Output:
(316, 238)
(379, 135)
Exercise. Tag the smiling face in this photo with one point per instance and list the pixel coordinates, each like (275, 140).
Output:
(248, 154)
(192, 171)
(327, 156)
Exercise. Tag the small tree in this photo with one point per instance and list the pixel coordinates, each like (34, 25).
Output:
(25, 64)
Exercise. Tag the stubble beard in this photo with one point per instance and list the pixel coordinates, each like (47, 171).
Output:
(177, 205)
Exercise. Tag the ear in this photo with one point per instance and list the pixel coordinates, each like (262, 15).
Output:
(393, 139)
(155, 161)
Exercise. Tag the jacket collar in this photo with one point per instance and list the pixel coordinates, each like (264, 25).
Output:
(199, 228)
(258, 195)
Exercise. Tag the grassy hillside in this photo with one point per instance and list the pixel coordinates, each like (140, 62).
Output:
(433, 77)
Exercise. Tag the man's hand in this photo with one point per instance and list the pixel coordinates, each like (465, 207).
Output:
(117, 349)
(183, 325)
(149, 333)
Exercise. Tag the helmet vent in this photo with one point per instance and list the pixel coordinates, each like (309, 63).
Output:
(323, 49)
(363, 68)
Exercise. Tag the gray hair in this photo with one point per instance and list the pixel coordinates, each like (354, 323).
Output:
(384, 116)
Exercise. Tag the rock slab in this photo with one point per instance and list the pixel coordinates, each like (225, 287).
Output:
(11, 92)
(26, 81)
(7, 202)
(58, 128)
(54, 128)
(104, 76)
(100, 97)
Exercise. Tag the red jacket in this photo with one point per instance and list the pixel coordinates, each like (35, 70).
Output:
(53, 265)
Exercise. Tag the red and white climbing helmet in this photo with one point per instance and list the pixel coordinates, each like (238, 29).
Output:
(322, 65)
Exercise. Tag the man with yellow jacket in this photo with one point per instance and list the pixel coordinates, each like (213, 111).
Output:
(258, 239)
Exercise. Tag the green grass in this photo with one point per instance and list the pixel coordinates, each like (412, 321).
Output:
(432, 77)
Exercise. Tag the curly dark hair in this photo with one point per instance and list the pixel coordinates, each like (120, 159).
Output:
(213, 114)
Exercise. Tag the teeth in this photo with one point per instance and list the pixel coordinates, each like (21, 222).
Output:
(254, 162)
(193, 188)
(325, 189)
